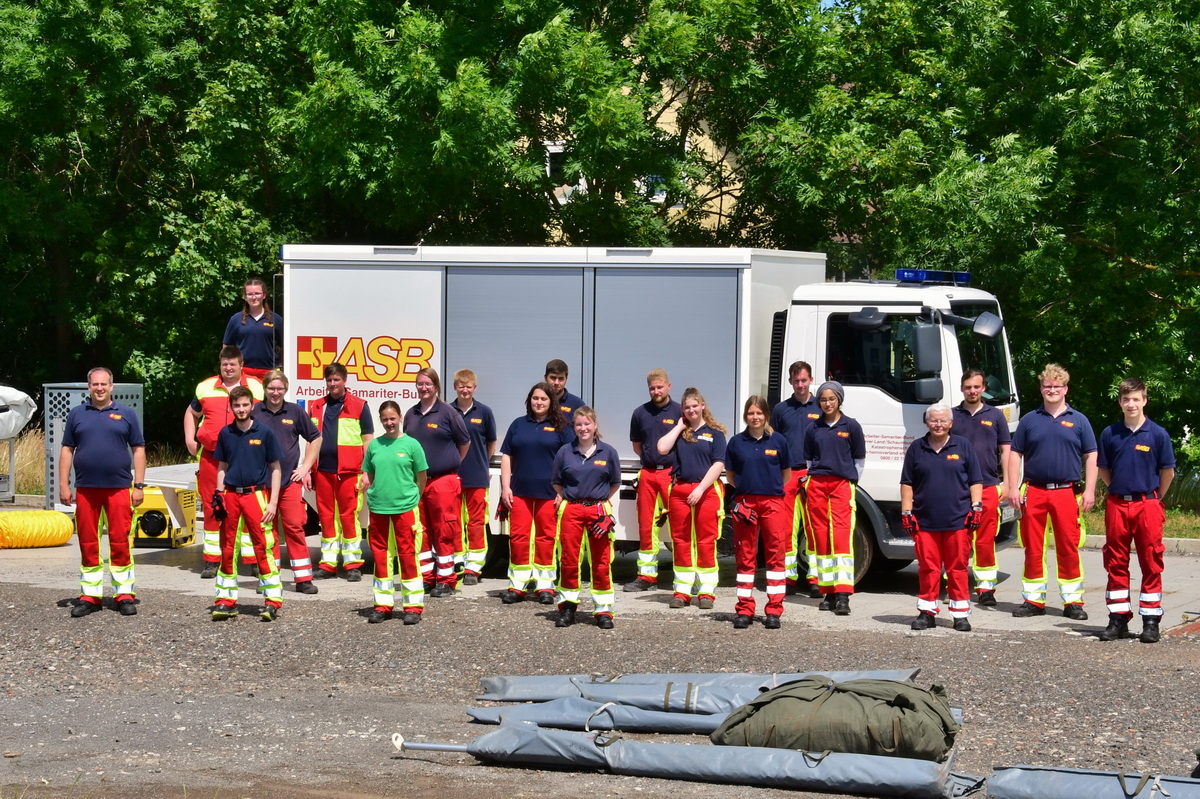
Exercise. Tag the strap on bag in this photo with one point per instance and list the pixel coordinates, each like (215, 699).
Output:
(1141, 784)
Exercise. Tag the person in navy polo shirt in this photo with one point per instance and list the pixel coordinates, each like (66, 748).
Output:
(792, 418)
(696, 507)
(586, 475)
(443, 435)
(1137, 463)
(97, 441)
(256, 330)
(941, 489)
(651, 421)
(474, 473)
(290, 423)
(836, 452)
(556, 377)
(527, 491)
(1056, 443)
(759, 461)
(248, 480)
(987, 430)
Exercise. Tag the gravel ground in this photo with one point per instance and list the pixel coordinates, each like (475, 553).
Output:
(171, 704)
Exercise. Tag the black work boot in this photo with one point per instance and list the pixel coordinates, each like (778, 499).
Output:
(842, 606)
(566, 615)
(1149, 630)
(1118, 627)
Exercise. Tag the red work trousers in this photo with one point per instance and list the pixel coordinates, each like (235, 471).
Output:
(694, 533)
(532, 533)
(293, 513)
(937, 551)
(441, 514)
(572, 533)
(248, 510)
(395, 535)
(831, 512)
(774, 525)
(1059, 506)
(802, 552)
(983, 560)
(117, 508)
(337, 508)
(653, 491)
(1140, 522)
(474, 518)
(206, 486)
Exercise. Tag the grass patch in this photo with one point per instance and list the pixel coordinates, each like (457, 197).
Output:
(30, 458)
(1180, 523)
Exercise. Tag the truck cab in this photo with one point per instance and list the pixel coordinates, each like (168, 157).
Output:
(897, 347)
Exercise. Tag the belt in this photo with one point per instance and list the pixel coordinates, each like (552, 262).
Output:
(432, 476)
(245, 489)
(1053, 486)
(587, 502)
(655, 468)
(1135, 497)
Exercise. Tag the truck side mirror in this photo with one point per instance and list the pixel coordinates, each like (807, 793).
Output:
(867, 319)
(987, 325)
(928, 390)
(927, 349)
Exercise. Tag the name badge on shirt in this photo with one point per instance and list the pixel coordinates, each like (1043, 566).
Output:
(1065, 423)
(1141, 447)
(431, 425)
(951, 457)
(843, 435)
(704, 437)
(255, 442)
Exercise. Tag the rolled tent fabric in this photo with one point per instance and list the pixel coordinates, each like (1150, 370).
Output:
(547, 687)
(1039, 782)
(577, 713)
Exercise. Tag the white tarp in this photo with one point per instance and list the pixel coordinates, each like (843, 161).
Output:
(16, 409)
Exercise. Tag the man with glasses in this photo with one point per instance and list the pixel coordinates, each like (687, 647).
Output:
(1056, 443)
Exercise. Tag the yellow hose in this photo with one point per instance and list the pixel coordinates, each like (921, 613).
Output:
(34, 528)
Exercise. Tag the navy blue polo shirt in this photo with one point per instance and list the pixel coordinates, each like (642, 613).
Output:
(987, 430)
(327, 458)
(289, 424)
(258, 339)
(833, 449)
(101, 438)
(941, 482)
(792, 418)
(758, 464)
(481, 427)
(651, 422)
(569, 403)
(441, 432)
(248, 455)
(1135, 457)
(1053, 446)
(587, 478)
(693, 458)
(532, 446)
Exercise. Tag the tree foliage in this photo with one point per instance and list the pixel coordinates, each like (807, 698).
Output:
(158, 152)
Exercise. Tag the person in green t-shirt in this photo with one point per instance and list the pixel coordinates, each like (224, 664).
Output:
(394, 476)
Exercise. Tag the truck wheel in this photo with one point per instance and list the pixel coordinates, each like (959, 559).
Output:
(891, 564)
(865, 553)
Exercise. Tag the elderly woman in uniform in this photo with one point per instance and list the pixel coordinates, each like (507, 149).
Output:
(941, 503)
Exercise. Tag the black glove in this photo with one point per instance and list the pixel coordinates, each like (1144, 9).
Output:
(975, 518)
(661, 520)
(603, 526)
(908, 523)
(502, 513)
(218, 507)
(743, 514)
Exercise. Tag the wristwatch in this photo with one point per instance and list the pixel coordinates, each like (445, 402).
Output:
(139, 485)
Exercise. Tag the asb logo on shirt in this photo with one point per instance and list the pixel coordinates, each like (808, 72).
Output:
(814, 416)
(951, 457)
(116, 417)
(771, 451)
(476, 421)
(704, 437)
(431, 425)
(1065, 423)
(255, 442)
(600, 463)
(668, 421)
(1141, 447)
(287, 421)
(549, 429)
(843, 434)
(985, 422)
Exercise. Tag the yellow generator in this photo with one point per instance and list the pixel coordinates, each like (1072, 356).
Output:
(167, 518)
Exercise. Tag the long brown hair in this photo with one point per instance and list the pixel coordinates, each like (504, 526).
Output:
(761, 403)
(691, 392)
(255, 281)
(554, 415)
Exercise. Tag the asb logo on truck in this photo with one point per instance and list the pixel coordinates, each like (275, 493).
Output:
(383, 359)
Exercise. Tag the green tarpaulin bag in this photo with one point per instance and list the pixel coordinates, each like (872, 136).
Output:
(868, 717)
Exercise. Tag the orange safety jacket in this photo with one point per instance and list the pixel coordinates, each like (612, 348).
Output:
(349, 431)
(215, 410)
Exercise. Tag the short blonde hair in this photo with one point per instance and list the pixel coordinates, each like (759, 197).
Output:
(657, 374)
(275, 374)
(1054, 372)
(587, 412)
(465, 376)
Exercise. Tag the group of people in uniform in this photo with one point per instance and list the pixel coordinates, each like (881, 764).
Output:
(792, 472)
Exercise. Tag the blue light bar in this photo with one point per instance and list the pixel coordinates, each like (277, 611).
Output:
(932, 276)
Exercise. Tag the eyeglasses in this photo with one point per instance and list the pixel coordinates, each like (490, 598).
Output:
(1053, 388)
(940, 422)
(824, 400)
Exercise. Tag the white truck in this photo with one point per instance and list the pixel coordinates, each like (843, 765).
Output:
(728, 321)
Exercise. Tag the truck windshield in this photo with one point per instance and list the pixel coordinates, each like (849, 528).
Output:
(987, 355)
(882, 358)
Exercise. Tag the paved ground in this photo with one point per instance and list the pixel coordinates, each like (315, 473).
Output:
(170, 704)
